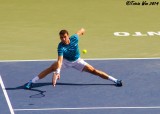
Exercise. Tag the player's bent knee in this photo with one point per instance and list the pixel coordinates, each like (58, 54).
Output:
(92, 70)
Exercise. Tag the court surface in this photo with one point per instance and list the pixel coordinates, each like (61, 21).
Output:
(79, 92)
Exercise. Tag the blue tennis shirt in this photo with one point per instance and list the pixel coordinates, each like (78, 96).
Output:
(70, 51)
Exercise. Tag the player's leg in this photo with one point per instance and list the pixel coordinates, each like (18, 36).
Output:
(92, 70)
(48, 71)
(81, 65)
(43, 74)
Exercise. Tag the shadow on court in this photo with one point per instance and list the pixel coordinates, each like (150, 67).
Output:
(36, 85)
(41, 93)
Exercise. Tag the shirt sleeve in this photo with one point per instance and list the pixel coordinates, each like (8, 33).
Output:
(75, 37)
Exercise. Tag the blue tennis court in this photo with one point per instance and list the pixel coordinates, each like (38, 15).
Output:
(79, 92)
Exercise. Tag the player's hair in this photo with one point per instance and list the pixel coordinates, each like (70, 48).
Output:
(62, 32)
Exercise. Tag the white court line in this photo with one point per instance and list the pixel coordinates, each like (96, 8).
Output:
(88, 108)
(84, 59)
(6, 96)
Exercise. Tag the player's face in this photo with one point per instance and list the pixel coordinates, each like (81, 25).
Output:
(65, 38)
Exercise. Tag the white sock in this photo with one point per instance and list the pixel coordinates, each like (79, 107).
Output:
(35, 79)
(112, 79)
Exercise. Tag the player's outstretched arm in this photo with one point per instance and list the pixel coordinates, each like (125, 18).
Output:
(80, 32)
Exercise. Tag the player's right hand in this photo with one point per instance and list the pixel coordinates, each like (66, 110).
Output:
(54, 78)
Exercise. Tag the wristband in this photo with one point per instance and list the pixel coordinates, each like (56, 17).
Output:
(58, 70)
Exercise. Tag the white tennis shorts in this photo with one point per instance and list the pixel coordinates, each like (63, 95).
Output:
(78, 64)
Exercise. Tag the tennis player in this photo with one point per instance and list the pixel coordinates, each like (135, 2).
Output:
(69, 56)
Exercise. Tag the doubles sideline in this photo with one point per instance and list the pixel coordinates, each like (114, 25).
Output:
(6, 96)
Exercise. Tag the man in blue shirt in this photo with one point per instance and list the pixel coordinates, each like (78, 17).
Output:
(69, 56)
(69, 51)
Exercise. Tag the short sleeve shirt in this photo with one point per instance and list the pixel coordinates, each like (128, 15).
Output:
(70, 51)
